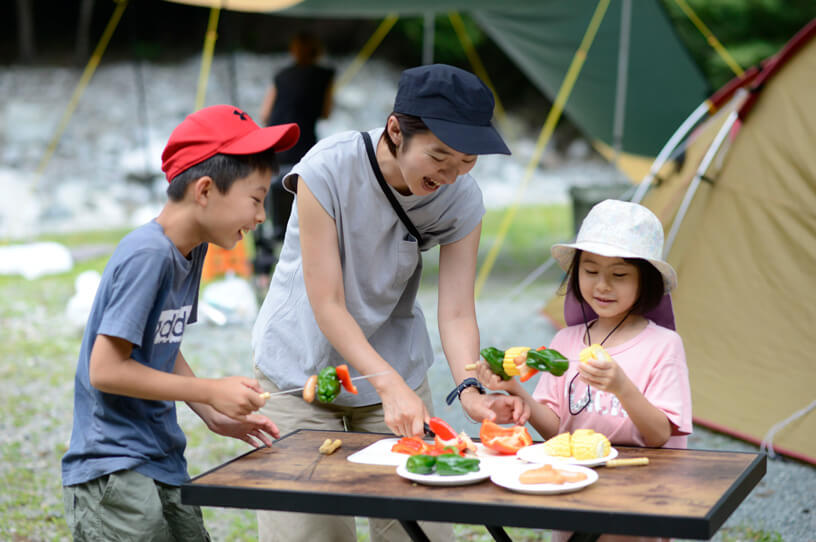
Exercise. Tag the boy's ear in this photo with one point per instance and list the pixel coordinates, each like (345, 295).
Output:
(202, 189)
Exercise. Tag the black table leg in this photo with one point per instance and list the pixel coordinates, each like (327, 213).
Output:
(414, 530)
(498, 533)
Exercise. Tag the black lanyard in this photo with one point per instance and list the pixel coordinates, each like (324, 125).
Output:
(372, 157)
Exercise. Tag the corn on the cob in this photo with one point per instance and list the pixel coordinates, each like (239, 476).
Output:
(510, 355)
(587, 444)
(595, 352)
(559, 445)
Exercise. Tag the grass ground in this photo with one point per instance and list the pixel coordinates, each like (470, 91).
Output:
(36, 385)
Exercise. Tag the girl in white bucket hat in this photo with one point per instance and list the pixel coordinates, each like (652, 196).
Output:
(639, 395)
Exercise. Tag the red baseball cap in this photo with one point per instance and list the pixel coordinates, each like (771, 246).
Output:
(223, 129)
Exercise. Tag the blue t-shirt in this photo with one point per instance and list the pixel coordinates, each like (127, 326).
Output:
(147, 296)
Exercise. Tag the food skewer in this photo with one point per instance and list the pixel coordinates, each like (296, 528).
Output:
(267, 395)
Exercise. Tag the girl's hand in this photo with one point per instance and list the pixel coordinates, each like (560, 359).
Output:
(603, 375)
(255, 430)
(497, 407)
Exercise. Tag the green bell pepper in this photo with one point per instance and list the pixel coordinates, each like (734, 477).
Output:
(495, 359)
(453, 464)
(420, 464)
(328, 385)
(548, 360)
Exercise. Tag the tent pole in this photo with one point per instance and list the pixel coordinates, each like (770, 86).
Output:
(695, 182)
(711, 39)
(543, 138)
(668, 148)
(90, 68)
(623, 75)
(206, 57)
(428, 38)
(367, 50)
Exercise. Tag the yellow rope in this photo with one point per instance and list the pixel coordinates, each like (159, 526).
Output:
(475, 61)
(710, 38)
(87, 74)
(546, 132)
(207, 56)
(367, 50)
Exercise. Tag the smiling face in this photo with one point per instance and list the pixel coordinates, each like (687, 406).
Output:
(229, 216)
(423, 163)
(610, 286)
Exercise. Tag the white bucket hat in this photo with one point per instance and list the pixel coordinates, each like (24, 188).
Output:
(620, 229)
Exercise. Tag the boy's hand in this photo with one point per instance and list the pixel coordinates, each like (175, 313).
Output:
(236, 397)
(255, 428)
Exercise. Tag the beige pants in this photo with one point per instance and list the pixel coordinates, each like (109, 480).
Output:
(291, 412)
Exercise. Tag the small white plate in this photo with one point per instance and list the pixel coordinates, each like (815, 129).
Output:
(508, 478)
(437, 480)
(536, 454)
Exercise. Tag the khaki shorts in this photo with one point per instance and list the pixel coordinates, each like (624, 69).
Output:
(291, 412)
(126, 506)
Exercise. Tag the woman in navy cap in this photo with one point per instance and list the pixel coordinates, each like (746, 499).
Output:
(344, 289)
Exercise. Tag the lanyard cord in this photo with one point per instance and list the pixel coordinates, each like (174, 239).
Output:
(589, 342)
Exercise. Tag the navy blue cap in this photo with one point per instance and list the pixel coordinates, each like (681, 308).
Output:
(454, 104)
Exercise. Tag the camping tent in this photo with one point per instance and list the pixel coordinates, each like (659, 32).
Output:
(737, 201)
(631, 114)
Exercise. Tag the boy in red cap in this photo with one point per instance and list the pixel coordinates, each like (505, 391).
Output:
(122, 472)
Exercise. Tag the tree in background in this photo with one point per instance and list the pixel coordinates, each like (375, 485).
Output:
(750, 30)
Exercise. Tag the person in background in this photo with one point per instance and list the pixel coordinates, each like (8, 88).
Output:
(641, 396)
(300, 93)
(125, 462)
(345, 288)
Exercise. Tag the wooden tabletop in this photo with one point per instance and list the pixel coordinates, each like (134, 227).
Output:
(681, 493)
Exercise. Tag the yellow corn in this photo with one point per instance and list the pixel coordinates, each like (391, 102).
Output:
(595, 351)
(587, 444)
(509, 362)
(559, 445)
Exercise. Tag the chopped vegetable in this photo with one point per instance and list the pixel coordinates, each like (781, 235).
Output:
(441, 428)
(495, 359)
(594, 352)
(345, 378)
(420, 464)
(510, 363)
(505, 440)
(410, 446)
(443, 465)
(547, 359)
(328, 387)
(452, 465)
(524, 362)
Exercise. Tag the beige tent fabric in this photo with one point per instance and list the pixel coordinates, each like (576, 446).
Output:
(746, 261)
(746, 304)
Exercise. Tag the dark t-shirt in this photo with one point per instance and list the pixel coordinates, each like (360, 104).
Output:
(301, 92)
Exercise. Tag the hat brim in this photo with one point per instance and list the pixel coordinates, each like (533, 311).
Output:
(565, 252)
(467, 138)
(280, 138)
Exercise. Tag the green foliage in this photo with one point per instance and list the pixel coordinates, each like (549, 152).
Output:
(750, 30)
(447, 47)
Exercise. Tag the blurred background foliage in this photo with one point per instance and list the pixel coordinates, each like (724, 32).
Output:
(66, 32)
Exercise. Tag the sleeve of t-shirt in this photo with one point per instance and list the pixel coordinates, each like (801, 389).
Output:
(317, 168)
(668, 386)
(463, 212)
(135, 286)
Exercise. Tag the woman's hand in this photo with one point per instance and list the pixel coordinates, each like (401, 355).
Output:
(492, 381)
(497, 407)
(405, 413)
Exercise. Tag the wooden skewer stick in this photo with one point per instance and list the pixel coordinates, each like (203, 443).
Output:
(470, 367)
(628, 462)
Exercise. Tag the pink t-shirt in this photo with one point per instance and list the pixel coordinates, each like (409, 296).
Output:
(654, 361)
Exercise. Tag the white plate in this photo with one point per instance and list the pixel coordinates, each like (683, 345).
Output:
(536, 454)
(508, 478)
(437, 480)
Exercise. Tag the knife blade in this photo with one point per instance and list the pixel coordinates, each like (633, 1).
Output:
(267, 395)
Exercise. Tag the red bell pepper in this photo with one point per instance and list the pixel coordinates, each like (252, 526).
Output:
(345, 378)
(410, 446)
(505, 440)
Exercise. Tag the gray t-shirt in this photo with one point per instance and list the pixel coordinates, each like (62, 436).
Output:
(381, 268)
(147, 296)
